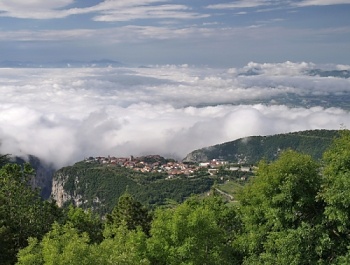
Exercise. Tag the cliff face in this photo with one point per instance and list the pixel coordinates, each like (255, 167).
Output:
(196, 156)
(60, 195)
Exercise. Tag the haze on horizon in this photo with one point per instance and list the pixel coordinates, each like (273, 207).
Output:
(213, 71)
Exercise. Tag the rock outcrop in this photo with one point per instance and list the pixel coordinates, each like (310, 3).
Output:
(60, 195)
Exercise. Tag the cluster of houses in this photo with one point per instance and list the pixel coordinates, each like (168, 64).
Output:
(158, 164)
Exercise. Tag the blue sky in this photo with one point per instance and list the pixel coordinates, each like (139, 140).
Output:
(199, 32)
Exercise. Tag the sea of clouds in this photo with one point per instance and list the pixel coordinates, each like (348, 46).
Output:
(65, 114)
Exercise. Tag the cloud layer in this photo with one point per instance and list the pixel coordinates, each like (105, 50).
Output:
(112, 10)
(107, 11)
(64, 115)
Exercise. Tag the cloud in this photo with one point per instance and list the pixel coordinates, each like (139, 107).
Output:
(241, 4)
(125, 34)
(64, 115)
(37, 9)
(286, 68)
(321, 2)
(136, 33)
(106, 11)
(128, 13)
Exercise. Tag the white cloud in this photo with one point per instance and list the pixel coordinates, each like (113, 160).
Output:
(48, 35)
(125, 34)
(343, 67)
(148, 12)
(39, 5)
(241, 4)
(286, 68)
(64, 115)
(321, 2)
(37, 9)
(108, 10)
(268, 3)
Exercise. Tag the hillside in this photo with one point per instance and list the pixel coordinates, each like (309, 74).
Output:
(251, 150)
(96, 185)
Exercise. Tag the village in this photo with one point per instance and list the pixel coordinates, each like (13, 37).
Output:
(158, 164)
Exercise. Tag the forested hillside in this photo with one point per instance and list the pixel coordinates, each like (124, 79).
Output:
(98, 186)
(93, 184)
(254, 148)
(295, 211)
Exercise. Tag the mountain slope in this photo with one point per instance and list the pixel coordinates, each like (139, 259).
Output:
(254, 148)
(92, 185)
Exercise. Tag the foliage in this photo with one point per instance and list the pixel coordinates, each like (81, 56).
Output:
(179, 189)
(4, 159)
(100, 186)
(295, 211)
(127, 247)
(252, 149)
(130, 213)
(22, 212)
(196, 232)
(280, 203)
(336, 194)
(84, 222)
(64, 244)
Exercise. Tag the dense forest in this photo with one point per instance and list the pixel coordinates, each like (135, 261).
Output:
(294, 211)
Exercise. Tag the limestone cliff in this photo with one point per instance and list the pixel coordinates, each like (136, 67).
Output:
(62, 196)
(196, 156)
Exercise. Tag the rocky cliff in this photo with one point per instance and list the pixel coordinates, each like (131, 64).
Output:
(62, 196)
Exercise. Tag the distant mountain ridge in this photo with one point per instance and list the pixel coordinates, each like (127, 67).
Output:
(332, 73)
(311, 72)
(250, 150)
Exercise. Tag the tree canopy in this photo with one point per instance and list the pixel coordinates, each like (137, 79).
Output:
(295, 210)
(23, 213)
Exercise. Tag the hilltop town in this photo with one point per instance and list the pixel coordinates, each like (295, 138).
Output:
(159, 164)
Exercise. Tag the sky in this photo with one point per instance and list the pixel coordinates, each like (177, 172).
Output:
(214, 33)
(63, 115)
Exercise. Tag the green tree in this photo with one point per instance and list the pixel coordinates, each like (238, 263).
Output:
(22, 212)
(336, 195)
(127, 247)
(278, 208)
(62, 245)
(85, 221)
(191, 233)
(4, 159)
(128, 212)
